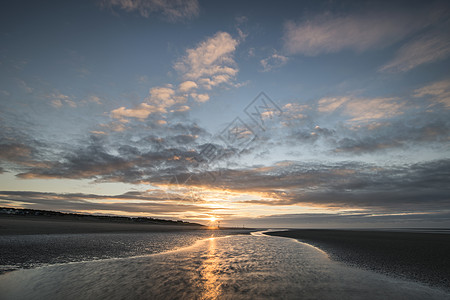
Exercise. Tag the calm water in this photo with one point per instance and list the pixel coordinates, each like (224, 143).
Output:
(235, 267)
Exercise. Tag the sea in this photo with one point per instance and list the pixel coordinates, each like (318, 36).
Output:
(189, 265)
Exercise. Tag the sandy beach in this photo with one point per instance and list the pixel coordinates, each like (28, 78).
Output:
(424, 257)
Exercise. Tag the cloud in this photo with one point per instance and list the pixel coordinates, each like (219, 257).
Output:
(209, 83)
(158, 101)
(331, 104)
(200, 97)
(427, 131)
(24, 86)
(142, 111)
(363, 109)
(425, 49)
(182, 108)
(366, 144)
(292, 111)
(152, 202)
(56, 103)
(14, 151)
(108, 158)
(95, 99)
(116, 126)
(71, 103)
(439, 92)
(58, 99)
(274, 61)
(402, 188)
(331, 33)
(210, 60)
(155, 156)
(98, 132)
(187, 85)
(420, 187)
(164, 97)
(373, 109)
(173, 10)
(208, 65)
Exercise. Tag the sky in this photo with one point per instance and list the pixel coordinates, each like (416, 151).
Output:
(307, 114)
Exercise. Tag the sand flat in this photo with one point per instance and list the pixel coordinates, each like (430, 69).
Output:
(424, 257)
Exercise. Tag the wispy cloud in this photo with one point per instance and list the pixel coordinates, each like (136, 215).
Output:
(173, 10)
(24, 86)
(330, 104)
(274, 61)
(373, 109)
(94, 99)
(439, 92)
(428, 48)
(362, 109)
(330, 33)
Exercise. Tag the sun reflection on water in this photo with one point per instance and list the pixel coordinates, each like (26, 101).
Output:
(209, 272)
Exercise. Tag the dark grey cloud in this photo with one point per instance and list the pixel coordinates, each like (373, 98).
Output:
(152, 203)
(402, 188)
(144, 153)
(126, 157)
(416, 130)
(404, 133)
(14, 151)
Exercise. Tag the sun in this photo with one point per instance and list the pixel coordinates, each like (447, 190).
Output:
(213, 219)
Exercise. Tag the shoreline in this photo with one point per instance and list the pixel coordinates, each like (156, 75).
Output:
(422, 257)
(24, 225)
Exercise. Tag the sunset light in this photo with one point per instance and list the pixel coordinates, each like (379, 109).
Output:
(190, 142)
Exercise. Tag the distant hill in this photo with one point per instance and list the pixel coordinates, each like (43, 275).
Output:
(6, 211)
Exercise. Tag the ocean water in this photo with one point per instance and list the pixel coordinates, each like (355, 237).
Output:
(233, 267)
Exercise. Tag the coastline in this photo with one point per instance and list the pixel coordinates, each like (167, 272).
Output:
(28, 225)
(422, 257)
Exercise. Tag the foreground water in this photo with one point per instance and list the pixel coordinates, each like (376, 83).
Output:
(31, 251)
(236, 267)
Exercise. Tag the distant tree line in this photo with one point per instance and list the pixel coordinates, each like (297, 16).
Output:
(84, 217)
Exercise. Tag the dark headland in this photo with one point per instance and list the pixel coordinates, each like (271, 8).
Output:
(420, 256)
(28, 221)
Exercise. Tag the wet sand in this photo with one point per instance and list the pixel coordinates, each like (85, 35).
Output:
(14, 225)
(233, 267)
(29, 242)
(424, 257)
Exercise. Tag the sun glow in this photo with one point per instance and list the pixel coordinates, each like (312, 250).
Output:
(213, 219)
